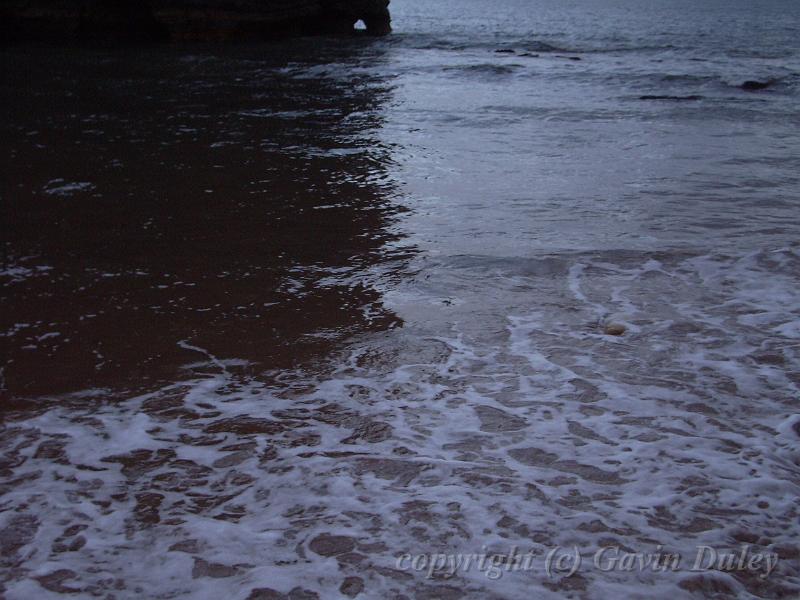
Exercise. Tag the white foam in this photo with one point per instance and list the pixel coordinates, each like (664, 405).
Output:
(523, 426)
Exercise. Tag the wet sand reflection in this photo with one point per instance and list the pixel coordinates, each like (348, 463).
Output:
(231, 200)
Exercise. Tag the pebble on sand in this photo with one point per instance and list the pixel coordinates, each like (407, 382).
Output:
(615, 329)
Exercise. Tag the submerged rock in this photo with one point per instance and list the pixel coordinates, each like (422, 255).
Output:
(24, 20)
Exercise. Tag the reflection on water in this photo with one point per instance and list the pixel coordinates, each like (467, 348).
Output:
(231, 199)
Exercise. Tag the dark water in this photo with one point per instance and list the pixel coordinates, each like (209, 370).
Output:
(160, 196)
(255, 296)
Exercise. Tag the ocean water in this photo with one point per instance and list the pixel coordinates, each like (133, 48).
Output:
(286, 320)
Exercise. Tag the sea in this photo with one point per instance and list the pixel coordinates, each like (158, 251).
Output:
(376, 317)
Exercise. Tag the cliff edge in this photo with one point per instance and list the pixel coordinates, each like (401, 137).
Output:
(202, 20)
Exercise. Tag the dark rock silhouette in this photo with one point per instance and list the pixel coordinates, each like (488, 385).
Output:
(37, 20)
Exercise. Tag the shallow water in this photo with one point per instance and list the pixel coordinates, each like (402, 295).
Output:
(277, 316)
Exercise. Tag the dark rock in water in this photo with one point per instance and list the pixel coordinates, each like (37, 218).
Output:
(505, 51)
(64, 20)
(568, 57)
(754, 86)
(651, 97)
